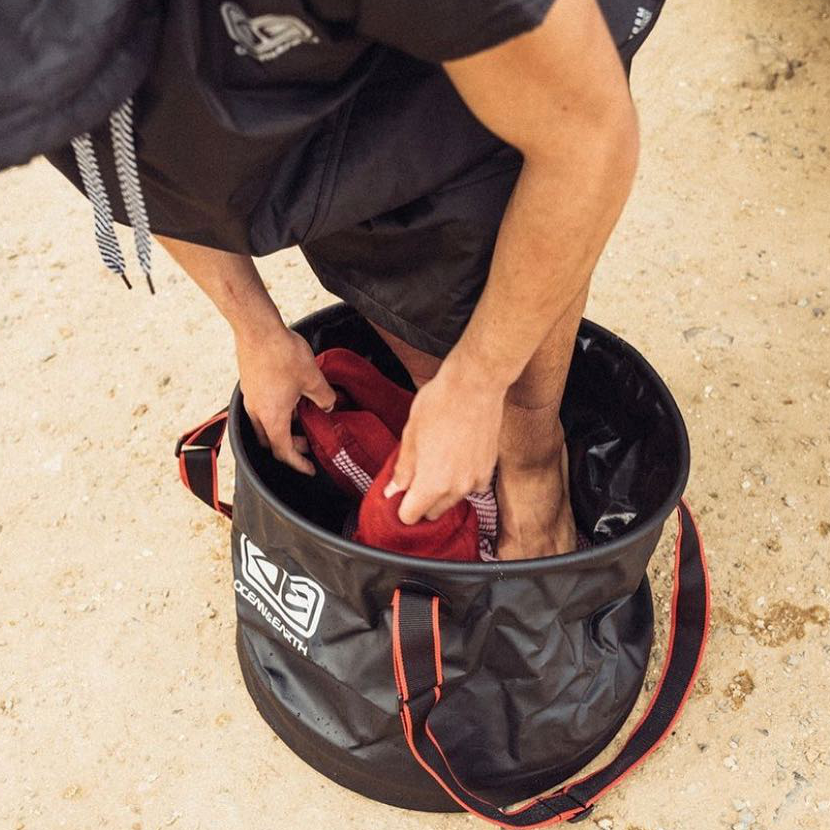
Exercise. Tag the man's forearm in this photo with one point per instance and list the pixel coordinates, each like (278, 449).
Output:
(557, 222)
(559, 94)
(232, 282)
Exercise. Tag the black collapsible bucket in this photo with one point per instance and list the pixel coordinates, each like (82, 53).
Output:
(436, 685)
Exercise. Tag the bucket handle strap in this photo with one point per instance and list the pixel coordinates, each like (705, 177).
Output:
(197, 451)
(416, 655)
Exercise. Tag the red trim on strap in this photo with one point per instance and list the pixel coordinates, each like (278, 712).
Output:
(401, 682)
(406, 718)
(397, 655)
(664, 673)
(436, 644)
(191, 439)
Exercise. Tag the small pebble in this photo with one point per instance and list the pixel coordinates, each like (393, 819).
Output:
(53, 465)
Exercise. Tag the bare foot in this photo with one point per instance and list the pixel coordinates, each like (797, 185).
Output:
(535, 516)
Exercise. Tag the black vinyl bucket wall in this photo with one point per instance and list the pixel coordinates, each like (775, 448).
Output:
(541, 660)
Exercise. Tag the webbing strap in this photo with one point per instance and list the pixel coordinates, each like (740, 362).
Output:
(416, 654)
(197, 451)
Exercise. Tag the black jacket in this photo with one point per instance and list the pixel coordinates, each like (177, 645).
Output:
(65, 65)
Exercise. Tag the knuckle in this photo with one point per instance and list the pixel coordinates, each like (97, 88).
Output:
(482, 482)
(407, 515)
(465, 485)
(440, 492)
(417, 495)
(281, 447)
(402, 468)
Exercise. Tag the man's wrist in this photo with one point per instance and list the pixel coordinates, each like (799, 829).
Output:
(469, 369)
(258, 325)
(481, 357)
(249, 309)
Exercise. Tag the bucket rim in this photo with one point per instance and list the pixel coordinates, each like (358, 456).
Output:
(596, 555)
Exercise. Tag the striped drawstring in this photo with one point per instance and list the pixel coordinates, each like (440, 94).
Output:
(123, 144)
(97, 194)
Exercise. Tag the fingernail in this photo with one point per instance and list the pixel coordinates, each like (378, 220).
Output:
(391, 489)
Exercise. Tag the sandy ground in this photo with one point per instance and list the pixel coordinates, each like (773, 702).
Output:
(121, 702)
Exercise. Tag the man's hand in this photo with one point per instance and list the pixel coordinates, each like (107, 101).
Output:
(276, 365)
(450, 443)
(275, 371)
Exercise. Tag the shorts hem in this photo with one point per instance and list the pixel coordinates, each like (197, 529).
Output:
(372, 310)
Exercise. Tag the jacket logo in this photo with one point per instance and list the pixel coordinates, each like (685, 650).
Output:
(297, 600)
(267, 36)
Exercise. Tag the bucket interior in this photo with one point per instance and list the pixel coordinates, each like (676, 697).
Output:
(627, 445)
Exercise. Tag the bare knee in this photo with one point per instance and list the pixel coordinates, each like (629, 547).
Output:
(421, 366)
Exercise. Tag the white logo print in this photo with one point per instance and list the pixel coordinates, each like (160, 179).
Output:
(640, 21)
(267, 36)
(297, 600)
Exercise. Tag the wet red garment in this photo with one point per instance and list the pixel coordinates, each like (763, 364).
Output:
(454, 535)
(357, 445)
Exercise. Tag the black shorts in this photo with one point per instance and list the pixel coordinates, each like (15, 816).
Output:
(352, 144)
(418, 268)
(410, 208)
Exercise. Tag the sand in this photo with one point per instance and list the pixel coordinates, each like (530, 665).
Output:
(121, 702)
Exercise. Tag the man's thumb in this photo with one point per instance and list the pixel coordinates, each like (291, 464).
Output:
(322, 394)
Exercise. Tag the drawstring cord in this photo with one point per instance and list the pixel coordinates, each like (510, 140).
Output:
(123, 145)
(108, 245)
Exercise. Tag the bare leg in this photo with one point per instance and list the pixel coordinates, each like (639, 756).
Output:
(420, 365)
(535, 517)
